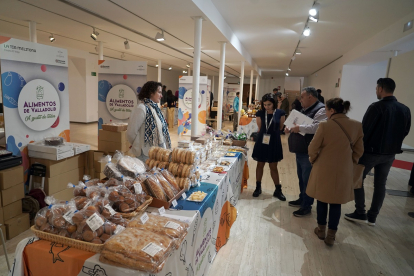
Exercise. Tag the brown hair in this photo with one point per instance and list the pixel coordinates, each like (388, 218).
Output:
(339, 105)
(149, 88)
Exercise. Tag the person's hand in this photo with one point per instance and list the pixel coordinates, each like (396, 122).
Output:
(287, 130)
(295, 129)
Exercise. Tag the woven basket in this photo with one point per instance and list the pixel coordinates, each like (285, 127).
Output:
(82, 245)
(239, 143)
(139, 210)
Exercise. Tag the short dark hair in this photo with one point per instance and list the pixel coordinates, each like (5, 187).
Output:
(310, 90)
(387, 84)
(339, 105)
(268, 97)
(164, 86)
(319, 91)
(279, 94)
(169, 93)
(149, 88)
(276, 89)
(237, 93)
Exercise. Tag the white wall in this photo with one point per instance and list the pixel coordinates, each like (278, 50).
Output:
(168, 78)
(77, 89)
(293, 83)
(267, 85)
(358, 86)
(401, 71)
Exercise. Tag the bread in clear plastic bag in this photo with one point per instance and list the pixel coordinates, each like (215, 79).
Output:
(169, 190)
(130, 166)
(79, 190)
(156, 189)
(174, 229)
(170, 178)
(111, 171)
(127, 250)
(122, 198)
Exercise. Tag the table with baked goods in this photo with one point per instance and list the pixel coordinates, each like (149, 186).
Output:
(209, 223)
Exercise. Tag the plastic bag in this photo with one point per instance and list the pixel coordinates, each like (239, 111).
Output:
(130, 166)
(79, 190)
(169, 190)
(170, 178)
(155, 187)
(111, 171)
(122, 198)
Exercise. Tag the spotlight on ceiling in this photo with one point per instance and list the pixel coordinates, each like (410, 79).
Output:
(298, 52)
(94, 34)
(289, 69)
(287, 74)
(293, 58)
(185, 72)
(170, 68)
(160, 36)
(306, 32)
(52, 38)
(315, 9)
(122, 55)
(156, 65)
(126, 44)
(188, 65)
(314, 18)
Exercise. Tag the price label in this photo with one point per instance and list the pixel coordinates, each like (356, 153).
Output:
(68, 216)
(94, 222)
(119, 229)
(161, 210)
(138, 188)
(110, 209)
(144, 218)
(151, 249)
(172, 225)
(174, 203)
(184, 196)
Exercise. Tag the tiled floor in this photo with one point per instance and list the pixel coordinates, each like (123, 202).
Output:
(267, 239)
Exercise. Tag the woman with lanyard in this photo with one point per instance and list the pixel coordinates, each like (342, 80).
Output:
(268, 147)
(147, 126)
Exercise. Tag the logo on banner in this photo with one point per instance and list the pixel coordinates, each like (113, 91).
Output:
(203, 244)
(120, 101)
(39, 105)
(188, 98)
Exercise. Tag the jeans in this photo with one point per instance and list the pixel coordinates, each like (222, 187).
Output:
(334, 214)
(382, 165)
(304, 168)
(235, 121)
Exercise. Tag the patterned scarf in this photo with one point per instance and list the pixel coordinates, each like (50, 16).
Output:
(152, 137)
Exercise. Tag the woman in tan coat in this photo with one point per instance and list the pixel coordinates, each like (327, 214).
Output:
(332, 155)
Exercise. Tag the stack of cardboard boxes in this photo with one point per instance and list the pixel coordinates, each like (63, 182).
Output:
(59, 174)
(12, 192)
(111, 141)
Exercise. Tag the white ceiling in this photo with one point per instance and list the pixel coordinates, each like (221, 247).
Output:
(268, 29)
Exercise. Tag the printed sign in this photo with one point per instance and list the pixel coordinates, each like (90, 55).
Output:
(120, 101)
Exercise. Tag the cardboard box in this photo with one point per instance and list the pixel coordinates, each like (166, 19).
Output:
(17, 225)
(111, 136)
(12, 194)
(66, 194)
(79, 148)
(54, 168)
(3, 229)
(107, 146)
(51, 156)
(60, 182)
(12, 210)
(99, 166)
(99, 175)
(11, 177)
(40, 147)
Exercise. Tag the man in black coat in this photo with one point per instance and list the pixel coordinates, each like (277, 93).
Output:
(385, 124)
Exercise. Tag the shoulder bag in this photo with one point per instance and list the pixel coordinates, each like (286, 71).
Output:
(358, 168)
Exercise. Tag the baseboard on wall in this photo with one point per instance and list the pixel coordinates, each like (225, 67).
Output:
(85, 123)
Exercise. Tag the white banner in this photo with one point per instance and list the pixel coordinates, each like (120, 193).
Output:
(119, 84)
(35, 93)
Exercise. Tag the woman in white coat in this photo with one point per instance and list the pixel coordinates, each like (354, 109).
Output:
(147, 126)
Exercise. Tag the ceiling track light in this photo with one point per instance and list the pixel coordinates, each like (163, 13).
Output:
(315, 9)
(298, 52)
(188, 65)
(160, 36)
(314, 18)
(289, 69)
(170, 68)
(184, 71)
(52, 38)
(156, 65)
(94, 34)
(293, 58)
(287, 74)
(306, 31)
(126, 44)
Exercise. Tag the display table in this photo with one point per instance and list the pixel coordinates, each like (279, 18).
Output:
(248, 125)
(210, 222)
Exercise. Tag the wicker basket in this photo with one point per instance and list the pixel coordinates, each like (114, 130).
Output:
(82, 245)
(239, 143)
(139, 210)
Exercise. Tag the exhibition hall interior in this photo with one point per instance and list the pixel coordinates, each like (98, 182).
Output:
(206, 137)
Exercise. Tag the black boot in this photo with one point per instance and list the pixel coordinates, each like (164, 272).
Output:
(278, 193)
(258, 190)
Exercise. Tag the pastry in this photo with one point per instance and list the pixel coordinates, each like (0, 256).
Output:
(54, 141)
(111, 171)
(171, 179)
(155, 187)
(180, 169)
(130, 166)
(168, 189)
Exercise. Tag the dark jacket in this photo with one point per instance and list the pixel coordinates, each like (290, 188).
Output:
(385, 125)
(171, 101)
(297, 105)
(321, 98)
(299, 143)
(285, 106)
